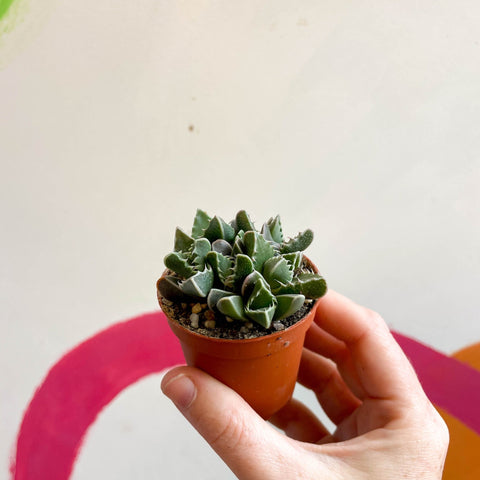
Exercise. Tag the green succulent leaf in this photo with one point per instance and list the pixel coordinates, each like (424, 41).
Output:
(287, 289)
(275, 228)
(218, 228)
(261, 296)
(201, 247)
(277, 271)
(298, 243)
(261, 305)
(177, 262)
(262, 316)
(221, 265)
(168, 287)
(257, 248)
(242, 267)
(243, 222)
(199, 284)
(267, 235)
(183, 242)
(222, 246)
(312, 285)
(200, 223)
(238, 245)
(294, 259)
(215, 295)
(287, 305)
(232, 307)
(249, 283)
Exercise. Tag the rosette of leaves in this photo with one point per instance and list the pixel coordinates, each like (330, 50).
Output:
(244, 273)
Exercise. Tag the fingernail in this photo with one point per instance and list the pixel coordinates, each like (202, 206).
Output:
(180, 390)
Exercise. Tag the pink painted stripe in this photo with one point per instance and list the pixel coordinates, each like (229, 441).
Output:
(449, 383)
(80, 385)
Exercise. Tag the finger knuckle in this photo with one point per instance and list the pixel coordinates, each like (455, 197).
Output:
(231, 433)
(442, 433)
(375, 322)
(374, 318)
(435, 431)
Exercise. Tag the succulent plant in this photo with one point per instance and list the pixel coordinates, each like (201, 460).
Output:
(243, 273)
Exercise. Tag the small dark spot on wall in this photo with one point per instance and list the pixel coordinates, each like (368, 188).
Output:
(191, 128)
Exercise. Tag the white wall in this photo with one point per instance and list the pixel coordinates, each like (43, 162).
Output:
(360, 120)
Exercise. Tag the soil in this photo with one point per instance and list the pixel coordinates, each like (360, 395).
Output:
(223, 328)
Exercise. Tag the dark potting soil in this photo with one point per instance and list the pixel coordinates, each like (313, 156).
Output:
(217, 324)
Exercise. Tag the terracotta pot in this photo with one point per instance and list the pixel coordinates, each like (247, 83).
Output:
(262, 370)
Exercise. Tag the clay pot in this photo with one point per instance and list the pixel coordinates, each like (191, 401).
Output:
(262, 370)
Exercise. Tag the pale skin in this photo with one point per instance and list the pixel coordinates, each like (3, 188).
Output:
(386, 428)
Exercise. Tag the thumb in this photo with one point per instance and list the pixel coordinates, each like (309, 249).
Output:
(240, 437)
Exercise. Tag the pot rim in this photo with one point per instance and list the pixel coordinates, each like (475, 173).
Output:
(260, 338)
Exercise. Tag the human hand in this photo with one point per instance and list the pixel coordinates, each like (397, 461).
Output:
(386, 428)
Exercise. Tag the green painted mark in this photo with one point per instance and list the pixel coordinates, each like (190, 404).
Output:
(4, 6)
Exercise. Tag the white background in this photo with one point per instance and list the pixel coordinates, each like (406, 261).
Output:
(360, 120)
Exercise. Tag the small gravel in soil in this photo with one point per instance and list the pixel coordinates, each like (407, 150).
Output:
(197, 308)
(278, 325)
(194, 319)
(214, 324)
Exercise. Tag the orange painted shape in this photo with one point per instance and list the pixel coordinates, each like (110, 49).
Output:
(463, 458)
(469, 355)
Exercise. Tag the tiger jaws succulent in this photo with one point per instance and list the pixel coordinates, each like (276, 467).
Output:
(240, 273)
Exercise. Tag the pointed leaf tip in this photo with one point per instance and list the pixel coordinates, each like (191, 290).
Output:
(232, 306)
(298, 243)
(183, 242)
(200, 223)
(199, 284)
(243, 221)
(218, 228)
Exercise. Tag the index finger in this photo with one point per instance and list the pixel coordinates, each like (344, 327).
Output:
(380, 365)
